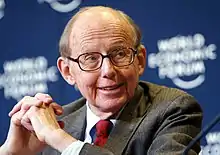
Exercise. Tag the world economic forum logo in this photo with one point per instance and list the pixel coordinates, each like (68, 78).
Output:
(2, 7)
(181, 59)
(26, 76)
(62, 7)
(213, 144)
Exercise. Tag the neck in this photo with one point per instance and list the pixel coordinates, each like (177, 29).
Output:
(103, 114)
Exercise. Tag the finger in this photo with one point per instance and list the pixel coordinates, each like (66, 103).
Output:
(52, 116)
(42, 121)
(17, 107)
(37, 125)
(58, 110)
(42, 117)
(25, 104)
(32, 113)
(27, 125)
(16, 118)
(25, 121)
(47, 99)
(32, 102)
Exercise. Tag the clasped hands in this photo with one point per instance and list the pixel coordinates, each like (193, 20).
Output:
(34, 125)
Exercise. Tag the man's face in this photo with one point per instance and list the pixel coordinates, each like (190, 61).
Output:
(108, 88)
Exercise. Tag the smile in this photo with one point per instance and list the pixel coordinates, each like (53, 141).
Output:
(111, 87)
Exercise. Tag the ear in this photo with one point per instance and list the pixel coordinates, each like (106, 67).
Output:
(65, 70)
(141, 59)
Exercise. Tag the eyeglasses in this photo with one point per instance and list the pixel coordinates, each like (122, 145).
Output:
(93, 61)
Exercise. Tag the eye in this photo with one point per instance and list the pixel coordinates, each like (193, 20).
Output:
(90, 58)
(119, 54)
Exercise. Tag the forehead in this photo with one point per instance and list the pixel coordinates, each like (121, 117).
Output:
(100, 29)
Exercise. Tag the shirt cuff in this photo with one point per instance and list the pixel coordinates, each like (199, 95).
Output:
(74, 148)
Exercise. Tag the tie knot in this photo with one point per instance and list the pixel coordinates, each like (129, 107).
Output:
(103, 128)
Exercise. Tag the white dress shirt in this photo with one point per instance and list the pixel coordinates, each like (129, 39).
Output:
(91, 120)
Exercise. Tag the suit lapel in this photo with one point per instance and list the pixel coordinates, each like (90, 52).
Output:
(75, 123)
(129, 119)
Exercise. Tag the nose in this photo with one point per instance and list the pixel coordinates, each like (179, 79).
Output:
(108, 69)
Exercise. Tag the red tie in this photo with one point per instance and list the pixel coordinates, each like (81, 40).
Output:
(103, 128)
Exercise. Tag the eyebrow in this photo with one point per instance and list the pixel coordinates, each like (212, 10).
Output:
(118, 44)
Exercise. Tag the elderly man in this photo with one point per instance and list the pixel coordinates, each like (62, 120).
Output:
(101, 54)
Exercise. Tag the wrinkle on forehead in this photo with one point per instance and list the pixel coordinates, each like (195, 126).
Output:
(98, 24)
(113, 33)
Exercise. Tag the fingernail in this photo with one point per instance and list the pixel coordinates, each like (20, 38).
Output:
(59, 111)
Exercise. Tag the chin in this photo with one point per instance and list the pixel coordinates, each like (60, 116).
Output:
(112, 105)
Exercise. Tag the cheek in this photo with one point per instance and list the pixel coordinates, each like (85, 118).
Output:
(86, 83)
(133, 73)
(132, 78)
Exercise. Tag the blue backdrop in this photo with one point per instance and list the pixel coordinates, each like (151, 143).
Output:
(181, 37)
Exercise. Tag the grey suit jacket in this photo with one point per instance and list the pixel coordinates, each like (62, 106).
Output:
(157, 121)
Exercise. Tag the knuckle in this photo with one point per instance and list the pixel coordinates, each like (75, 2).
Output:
(26, 98)
(42, 95)
(38, 94)
(25, 106)
(16, 120)
(23, 122)
(33, 109)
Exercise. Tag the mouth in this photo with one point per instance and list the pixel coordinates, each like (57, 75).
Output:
(113, 87)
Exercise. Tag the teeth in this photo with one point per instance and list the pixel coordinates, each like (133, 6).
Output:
(110, 88)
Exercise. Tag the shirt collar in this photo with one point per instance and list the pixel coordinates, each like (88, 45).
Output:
(92, 119)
